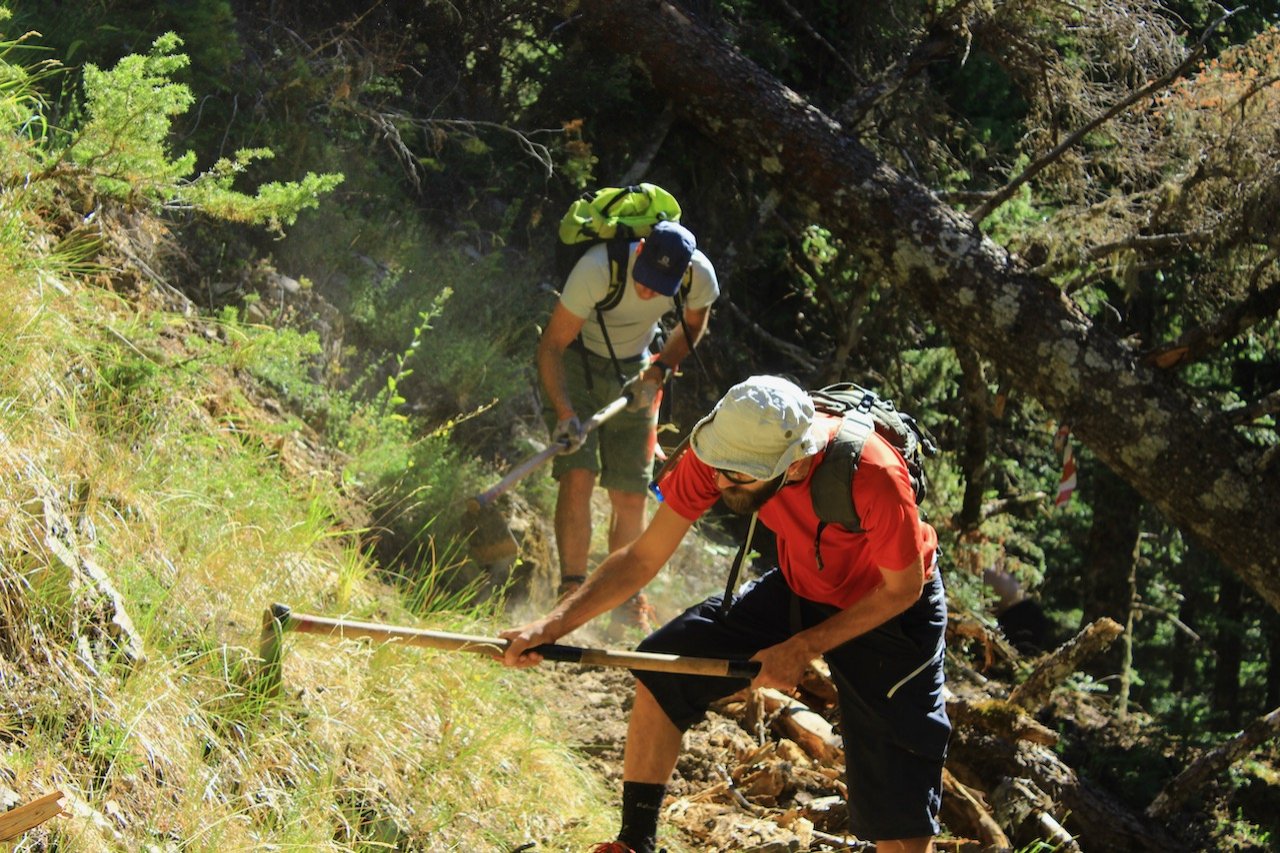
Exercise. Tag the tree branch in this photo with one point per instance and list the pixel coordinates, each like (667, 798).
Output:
(1033, 693)
(935, 45)
(790, 350)
(1014, 504)
(641, 162)
(1194, 344)
(1008, 190)
(1150, 242)
(1213, 763)
(800, 21)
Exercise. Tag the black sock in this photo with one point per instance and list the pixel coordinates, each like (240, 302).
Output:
(641, 802)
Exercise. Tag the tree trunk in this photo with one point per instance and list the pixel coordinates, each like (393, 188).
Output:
(1228, 652)
(1113, 542)
(1176, 450)
(1271, 630)
(981, 760)
(973, 457)
(1189, 652)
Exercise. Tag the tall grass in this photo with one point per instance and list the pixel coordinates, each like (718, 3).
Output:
(149, 512)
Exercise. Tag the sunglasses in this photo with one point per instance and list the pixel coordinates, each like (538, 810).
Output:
(735, 477)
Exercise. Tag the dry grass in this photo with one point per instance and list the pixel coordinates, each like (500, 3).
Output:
(147, 518)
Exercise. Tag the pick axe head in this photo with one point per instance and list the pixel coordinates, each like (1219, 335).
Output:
(270, 649)
(489, 539)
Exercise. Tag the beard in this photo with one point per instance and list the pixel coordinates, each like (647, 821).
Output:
(744, 500)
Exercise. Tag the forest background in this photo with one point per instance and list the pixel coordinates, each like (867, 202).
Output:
(271, 293)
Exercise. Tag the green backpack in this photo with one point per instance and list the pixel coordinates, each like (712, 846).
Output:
(621, 214)
(864, 412)
(616, 216)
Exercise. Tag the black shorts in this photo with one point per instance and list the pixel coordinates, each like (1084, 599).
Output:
(893, 718)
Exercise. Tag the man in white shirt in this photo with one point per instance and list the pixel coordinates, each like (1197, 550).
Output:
(584, 357)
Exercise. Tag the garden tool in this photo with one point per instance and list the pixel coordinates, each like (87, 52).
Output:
(279, 618)
(489, 537)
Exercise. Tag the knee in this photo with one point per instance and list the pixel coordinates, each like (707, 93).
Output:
(627, 503)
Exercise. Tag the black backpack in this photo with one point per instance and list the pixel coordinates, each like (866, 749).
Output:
(864, 411)
(831, 487)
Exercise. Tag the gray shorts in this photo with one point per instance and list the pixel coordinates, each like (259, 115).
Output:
(621, 449)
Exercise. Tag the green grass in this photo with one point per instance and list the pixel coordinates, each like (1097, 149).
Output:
(150, 511)
(177, 488)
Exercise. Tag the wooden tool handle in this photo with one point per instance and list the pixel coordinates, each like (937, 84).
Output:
(527, 467)
(493, 647)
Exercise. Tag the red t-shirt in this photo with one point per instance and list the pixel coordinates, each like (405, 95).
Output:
(894, 534)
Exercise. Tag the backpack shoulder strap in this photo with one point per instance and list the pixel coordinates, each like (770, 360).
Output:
(831, 487)
(619, 252)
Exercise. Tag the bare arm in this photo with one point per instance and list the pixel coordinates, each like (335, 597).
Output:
(782, 665)
(561, 330)
(622, 574)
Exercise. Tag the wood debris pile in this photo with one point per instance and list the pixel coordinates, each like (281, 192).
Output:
(766, 772)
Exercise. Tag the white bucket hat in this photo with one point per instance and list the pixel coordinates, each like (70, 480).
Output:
(758, 428)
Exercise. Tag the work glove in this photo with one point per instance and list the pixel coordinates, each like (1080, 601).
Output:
(640, 392)
(569, 434)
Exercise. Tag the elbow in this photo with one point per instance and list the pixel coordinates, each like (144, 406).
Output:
(902, 597)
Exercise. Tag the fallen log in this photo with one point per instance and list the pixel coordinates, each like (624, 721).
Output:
(1212, 764)
(816, 682)
(1019, 802)
(965, 626)
(965, 813)
(722, 826)
(1033, 694)
(982, 760)
(1001, 719)
(793, 719)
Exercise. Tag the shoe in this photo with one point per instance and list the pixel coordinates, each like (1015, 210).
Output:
(635, 612)
(568, 586)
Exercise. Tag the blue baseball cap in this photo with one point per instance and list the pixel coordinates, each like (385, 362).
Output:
(666, 255)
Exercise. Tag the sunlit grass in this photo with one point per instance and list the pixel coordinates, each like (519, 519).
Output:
(150, 512)
(171, 485)
(186, 502)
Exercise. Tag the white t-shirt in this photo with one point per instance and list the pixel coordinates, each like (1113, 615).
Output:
(634, 322)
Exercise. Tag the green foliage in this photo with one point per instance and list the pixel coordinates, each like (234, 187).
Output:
(274, 203)
(389, 399)
(23, 129)
(21, 105)
(279, 356)
(123, 141)
(1016, 216)
(123, 144)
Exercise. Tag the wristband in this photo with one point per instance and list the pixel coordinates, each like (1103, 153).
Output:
(666, 369)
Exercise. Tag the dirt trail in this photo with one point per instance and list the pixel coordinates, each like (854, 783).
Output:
(705, 811)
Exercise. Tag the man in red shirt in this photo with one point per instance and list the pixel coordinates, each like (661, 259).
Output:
(870, 602)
